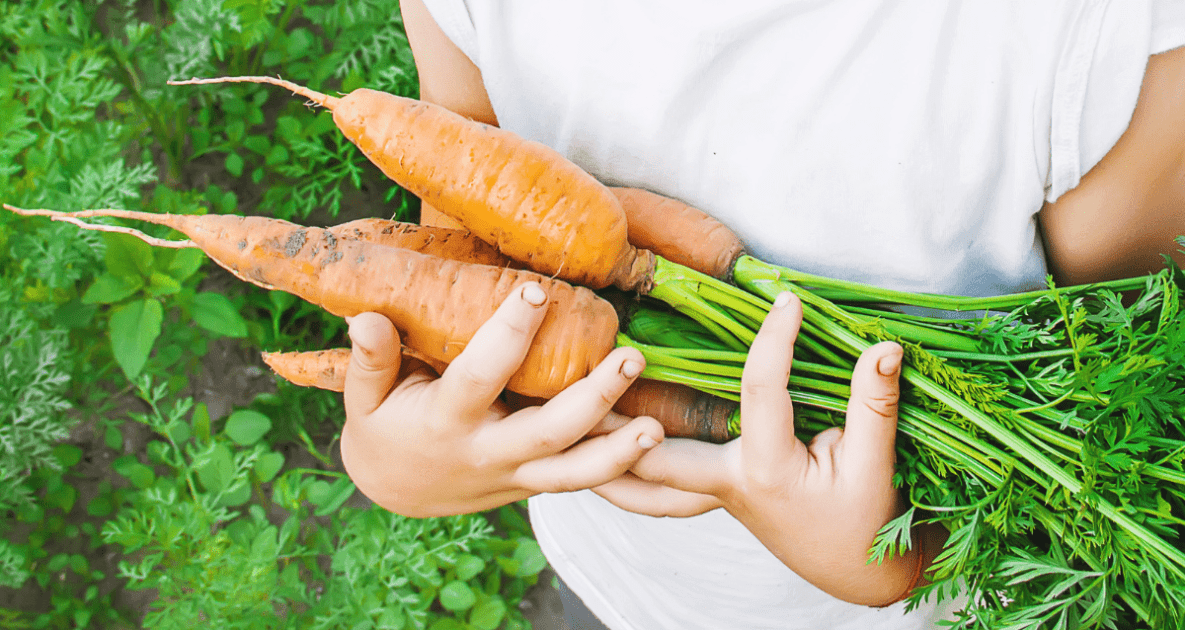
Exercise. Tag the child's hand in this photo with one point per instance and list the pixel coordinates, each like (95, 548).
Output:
(817, 507)
(434, 446)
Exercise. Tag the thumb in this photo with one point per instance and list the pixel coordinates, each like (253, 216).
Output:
(870, 434)
(374, 363)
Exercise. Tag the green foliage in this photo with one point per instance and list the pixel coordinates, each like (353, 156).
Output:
(222, 519)
(34, 375)
(212, 560)
(1046, 436)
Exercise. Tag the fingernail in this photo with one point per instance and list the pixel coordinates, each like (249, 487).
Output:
(646, 442)
(534, 295)
(782, 300)
(888, 366)
(630, 369)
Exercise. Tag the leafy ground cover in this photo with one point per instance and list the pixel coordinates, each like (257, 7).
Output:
(152, 473)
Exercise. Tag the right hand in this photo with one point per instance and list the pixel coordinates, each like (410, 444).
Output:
(426, 446)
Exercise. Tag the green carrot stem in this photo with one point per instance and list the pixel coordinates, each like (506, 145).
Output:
(929, 300)
(1004, 358)
(730, 300)
(929, 337)
(809, 337)
(684, 299)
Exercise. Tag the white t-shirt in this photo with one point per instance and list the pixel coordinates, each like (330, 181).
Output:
(903, 143)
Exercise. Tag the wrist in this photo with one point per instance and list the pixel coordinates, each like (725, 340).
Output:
(927, 542)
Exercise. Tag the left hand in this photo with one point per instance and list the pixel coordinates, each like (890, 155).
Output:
(816, 507)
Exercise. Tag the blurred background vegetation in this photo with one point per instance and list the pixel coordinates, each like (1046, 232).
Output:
(152, 473)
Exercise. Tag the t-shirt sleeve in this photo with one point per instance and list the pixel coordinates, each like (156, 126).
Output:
(1098, 80)
(1168, 25)
(453, 17)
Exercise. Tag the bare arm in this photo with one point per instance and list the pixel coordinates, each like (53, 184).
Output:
(1127, 209)
(447, 78)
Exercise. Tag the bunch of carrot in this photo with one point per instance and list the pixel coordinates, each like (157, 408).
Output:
(981, 442)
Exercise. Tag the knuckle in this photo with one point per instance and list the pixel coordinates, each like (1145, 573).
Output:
(563, 482)
(472, 378)
(760, 388)
(548, 441)
(518, 329)
(656, 472)
(884, 405)
(606, 398)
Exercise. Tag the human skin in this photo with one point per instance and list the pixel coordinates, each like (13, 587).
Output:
(790, 495)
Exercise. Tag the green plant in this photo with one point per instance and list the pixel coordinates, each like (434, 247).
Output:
(224, 517)
(136, 279)
(1045, 434)
(215, 556)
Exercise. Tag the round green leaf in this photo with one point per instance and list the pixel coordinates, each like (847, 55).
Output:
(234, 164)
(246, 427)
(457, 596)
(113, 438)
(216, 470)
(258, 143)
(142, 476)
(329, 497)
(109, 289)
(276, 155)
(469, 566)
(178, 431)
(126, 255)
(488, 614)
(163, 284)
(67, 454)
(529, 558)
(62, 496)
(216, 314)
(134, 327)
(268, 465)
(236, 496)
(101, 505)
(185, 263)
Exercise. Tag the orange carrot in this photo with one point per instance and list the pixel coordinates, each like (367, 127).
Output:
(682, 411)
(679, 232)
(437, 304)
(435, 241)
(326, 369)
(522, 196)
(323, 369)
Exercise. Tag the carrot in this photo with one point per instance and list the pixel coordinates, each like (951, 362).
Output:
(522, 196)
(326, 369)
(682, 411)
(436, 241)
(323, 369)
(678, 232)
(437, 304)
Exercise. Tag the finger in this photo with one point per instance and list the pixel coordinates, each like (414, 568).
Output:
(477, 376)
(637, 495)
(690, 466)
(593, 462)
(871, 430)
(374, 363)
(767, 417)
(570, 415)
